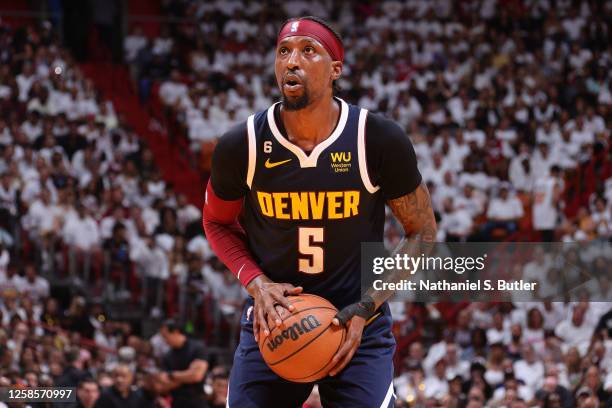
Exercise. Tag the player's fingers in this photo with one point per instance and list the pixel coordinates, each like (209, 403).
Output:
(344, 355)
(289, 289)
(263, 324)
(345, 360)
(283, 312)
(256, 324)
(280, 299)
(345, 315)
(292, 290)
(344, 348)
(274, 318)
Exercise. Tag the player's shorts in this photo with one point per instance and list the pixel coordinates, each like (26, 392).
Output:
(366, 382)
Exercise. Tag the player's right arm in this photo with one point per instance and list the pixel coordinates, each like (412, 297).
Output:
(225, 194)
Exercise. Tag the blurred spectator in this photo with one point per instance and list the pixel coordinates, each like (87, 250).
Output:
(34, 286)
(185, 366)
(87, 394)
(529, 370)
(436, 384)
(503, 213)
(74, 373)
(575, 330)
(133, 43)
(123, 393)
(220, 379)
(546, 195)
(551, 387)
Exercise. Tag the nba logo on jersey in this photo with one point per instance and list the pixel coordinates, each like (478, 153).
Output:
(294, 26)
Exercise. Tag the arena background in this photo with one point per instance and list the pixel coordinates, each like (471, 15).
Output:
(109, 112)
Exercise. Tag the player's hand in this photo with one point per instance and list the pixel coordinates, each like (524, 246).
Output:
(351, 343)
(269, 299)
(354, 318)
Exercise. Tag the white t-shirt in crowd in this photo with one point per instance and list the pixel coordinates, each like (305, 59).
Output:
(535, 270)
(573, 336)
(32, 130)
(544, 205)
(582, 136)
(4, 260)
(553, 316)
(83, 233)
(151, 262)
(509, 209)
(458, 222)
(37, 290)
(199, 245)
(170, 92)
(520, 179)
(132, 44)
(435, 387)
(24, 83)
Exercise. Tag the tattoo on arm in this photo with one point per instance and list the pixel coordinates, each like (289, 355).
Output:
(415, 213)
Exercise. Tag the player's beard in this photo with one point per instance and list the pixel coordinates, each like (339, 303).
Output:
(296, 103)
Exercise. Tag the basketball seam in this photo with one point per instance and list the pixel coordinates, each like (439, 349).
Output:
(303, 310)
(300, 349)
(325, 366)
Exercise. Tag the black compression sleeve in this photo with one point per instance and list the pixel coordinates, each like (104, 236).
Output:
(391, 159)
(229, 164)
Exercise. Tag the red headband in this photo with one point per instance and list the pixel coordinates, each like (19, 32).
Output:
(319, 32)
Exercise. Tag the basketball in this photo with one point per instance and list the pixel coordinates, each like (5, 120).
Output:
(302, 348)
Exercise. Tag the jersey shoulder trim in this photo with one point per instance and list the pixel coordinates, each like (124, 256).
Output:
(309, 160)
(361, 153)
(252, 150)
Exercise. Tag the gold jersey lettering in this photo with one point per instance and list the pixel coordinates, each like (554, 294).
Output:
(299, 206)
(333, 200)
(351, 203)
(309, 205)
(280, 204)
(317, 201)
(265, 203)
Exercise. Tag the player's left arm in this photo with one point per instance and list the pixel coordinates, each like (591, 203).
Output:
(415, 213)
(408, 197)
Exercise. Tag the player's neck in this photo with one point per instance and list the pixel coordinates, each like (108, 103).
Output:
(310, 126)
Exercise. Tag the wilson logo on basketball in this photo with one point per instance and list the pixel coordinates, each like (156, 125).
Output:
(306, 325)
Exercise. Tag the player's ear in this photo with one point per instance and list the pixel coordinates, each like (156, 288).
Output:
(336, 70)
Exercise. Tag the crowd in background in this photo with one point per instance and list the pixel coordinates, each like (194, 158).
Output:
(504, 101)
(500, 100)
(82, 203)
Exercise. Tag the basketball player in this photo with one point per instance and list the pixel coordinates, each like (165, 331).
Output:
(293, 193)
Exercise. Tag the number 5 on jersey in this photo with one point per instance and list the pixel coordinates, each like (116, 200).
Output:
(310, 246)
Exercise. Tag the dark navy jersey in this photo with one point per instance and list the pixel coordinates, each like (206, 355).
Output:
(306, 213)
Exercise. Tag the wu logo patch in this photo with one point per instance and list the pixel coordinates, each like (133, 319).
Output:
(341, 161)
(294, 26)
(341, 157)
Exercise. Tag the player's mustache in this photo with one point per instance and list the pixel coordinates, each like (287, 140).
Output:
(293, 77)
